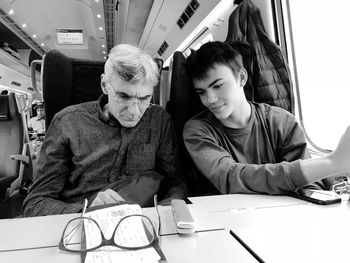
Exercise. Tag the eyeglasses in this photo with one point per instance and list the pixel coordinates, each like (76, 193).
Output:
(132, 232)
(127, 100)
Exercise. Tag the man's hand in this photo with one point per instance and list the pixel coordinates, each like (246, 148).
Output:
(340, 157)
(107, 197)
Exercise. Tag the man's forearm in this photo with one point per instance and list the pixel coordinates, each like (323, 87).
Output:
(319, 168)
(41, 206)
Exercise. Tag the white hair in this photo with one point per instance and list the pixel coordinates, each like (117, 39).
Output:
(131, 64)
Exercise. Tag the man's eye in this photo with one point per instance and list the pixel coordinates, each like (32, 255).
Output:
(143, 98)
(199, 92)
(217, 86)
(124, 96)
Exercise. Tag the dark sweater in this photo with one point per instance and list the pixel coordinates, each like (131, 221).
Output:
(84, 152)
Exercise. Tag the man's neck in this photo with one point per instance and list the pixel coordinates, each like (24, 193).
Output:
(105, 110)
(240, 117)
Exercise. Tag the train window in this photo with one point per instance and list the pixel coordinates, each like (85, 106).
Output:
(321, 55)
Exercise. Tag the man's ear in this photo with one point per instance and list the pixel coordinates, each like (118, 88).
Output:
(243, 77)
(103, 84)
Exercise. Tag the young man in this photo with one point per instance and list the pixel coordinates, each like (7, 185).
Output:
(117, 148)
(246, 147)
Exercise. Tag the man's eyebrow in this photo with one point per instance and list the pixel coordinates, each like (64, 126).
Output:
(120, 93)
(211, 84)
(145, 97)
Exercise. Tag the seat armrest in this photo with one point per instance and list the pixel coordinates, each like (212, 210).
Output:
(20, 157)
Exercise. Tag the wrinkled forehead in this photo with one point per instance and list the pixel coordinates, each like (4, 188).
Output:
(139, 89)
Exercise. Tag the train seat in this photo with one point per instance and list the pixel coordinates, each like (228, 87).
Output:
(183, 104)
(15, 159)
(67, 81)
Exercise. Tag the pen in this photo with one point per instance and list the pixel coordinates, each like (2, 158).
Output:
(74, 230)
(246, 247)
(84, 208)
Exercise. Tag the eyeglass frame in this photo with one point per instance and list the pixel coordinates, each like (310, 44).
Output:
(105, 241)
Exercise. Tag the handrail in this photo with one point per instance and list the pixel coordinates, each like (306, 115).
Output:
(33, 73)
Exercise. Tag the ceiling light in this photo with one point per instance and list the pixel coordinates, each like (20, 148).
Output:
(98, 16)
(24, 25)
(42, 44)
(11, 12)
(34, 36)
(102, 45)
(103, 52)
(100, 28)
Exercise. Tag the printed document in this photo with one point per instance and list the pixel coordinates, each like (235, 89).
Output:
(108, 219)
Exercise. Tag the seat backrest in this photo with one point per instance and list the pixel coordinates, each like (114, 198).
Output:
(67, 81)
(11, 135)
(183, 104)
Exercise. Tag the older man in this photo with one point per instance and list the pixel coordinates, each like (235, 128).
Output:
(120, 147)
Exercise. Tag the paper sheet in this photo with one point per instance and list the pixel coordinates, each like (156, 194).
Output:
(108, 218)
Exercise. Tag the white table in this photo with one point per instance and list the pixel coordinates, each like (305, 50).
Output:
(300, 232)
(217, 203)
(36, 240)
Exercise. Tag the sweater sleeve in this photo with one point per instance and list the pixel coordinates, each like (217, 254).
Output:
(293, 146)
(51, 177)
(229, 176)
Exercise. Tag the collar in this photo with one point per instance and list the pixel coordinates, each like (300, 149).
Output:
(104, 114)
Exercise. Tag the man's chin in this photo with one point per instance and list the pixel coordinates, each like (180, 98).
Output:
(129, 123)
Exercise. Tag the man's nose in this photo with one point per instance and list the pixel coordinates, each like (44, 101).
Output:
(211, 97)
(134, 106)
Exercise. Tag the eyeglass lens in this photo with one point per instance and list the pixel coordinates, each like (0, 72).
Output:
(131, 232)
(127, 235)
(74, 234)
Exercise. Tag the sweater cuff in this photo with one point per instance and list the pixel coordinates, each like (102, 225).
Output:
(296, 175)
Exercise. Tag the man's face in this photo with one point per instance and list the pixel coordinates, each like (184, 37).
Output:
(127, 102)
(40, 112)
(220, 91)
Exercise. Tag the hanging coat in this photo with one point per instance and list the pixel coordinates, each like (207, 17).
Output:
(269, 76)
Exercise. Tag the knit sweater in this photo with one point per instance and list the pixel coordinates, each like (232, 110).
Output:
(263, 157)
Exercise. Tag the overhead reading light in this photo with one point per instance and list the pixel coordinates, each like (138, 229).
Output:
(162, 48)
(188, 13)
(16, 83)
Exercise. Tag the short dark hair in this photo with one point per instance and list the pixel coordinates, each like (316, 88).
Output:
(202, 60)
(39, 105)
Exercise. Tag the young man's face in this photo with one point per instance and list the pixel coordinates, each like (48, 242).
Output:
(220, 91)
(127, 102)
(40, 112)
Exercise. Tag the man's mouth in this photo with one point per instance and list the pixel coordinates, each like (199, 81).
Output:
(216, 107)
